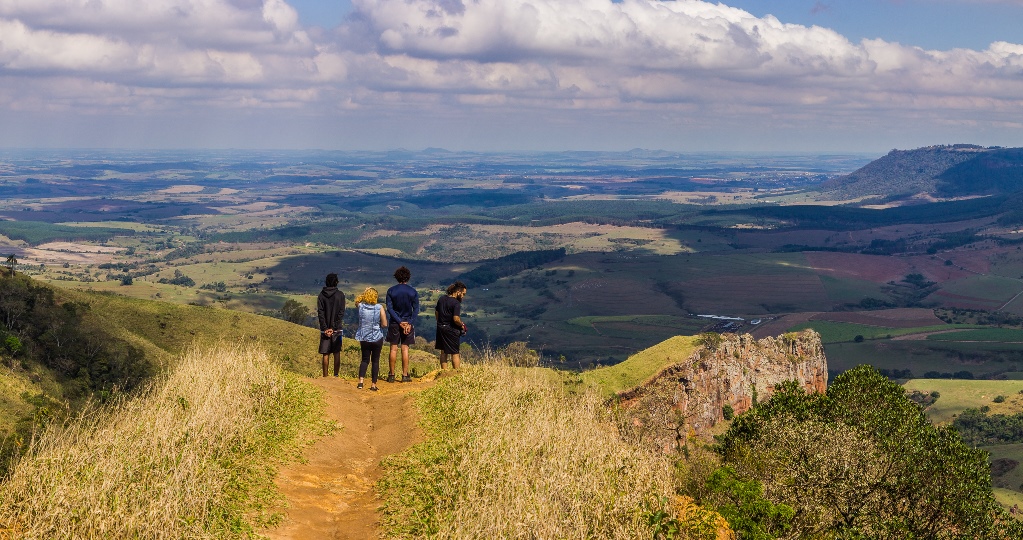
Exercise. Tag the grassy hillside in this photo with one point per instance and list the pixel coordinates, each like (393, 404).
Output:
(510, 454)
(640, 366)
(191, 456)
(155, 334)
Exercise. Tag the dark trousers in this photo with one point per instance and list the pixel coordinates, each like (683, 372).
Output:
(370, 351)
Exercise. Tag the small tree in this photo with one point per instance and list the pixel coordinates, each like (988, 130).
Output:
(12, 261)
(293, 311)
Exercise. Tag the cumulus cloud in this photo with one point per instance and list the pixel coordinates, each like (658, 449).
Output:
(688, 56)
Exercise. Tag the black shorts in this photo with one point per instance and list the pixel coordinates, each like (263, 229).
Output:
(449, 339)
(330, 345)
(395, 337)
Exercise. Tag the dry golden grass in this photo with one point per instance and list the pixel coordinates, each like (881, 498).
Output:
(191, 456)
(510, 454)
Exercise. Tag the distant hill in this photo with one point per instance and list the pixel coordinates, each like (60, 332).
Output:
(993, 172)
(903, 172)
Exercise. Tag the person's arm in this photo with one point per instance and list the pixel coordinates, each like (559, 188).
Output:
(383, 318)
(456, 318)
(321, 315)
(415, 306)
(389, 302)
(339, 318)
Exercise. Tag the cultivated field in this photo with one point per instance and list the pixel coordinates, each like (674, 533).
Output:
(957, 396)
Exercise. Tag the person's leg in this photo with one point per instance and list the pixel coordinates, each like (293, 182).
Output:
(337, 364)
(376, 360)
(443, 360)
(404, 360)
(456, 360)
(365, 348)
(326, 359)
(393, 359)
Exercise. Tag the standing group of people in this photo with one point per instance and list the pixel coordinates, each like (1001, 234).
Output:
(393, 322)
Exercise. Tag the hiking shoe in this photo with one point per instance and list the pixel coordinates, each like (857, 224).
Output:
(406, 378)
(390, 377)
(373, 388)
(359, 386)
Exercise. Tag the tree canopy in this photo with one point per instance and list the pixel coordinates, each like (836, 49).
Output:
(862, 461)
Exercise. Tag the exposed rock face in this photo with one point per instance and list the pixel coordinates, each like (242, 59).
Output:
(735, 371)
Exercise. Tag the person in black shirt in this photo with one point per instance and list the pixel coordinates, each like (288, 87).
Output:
(450, 327)
(330, 309)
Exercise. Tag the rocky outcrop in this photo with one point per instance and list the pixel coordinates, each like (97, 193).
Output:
(728, 369)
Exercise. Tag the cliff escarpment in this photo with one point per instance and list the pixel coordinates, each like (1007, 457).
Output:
(728, 372)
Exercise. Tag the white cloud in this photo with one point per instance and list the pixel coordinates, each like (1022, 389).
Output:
(688, 59)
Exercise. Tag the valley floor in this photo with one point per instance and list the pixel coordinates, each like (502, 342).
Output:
(330, 494)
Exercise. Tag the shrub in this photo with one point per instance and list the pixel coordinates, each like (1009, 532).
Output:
(862, 460)
(727, 412)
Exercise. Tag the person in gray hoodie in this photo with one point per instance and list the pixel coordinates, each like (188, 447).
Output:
(330, 310)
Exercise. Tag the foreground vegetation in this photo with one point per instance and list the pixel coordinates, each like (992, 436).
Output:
(863, 461)
(527, 452)
(192, 455)
(509, 453)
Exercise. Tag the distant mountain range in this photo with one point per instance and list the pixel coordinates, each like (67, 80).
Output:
(940, 171)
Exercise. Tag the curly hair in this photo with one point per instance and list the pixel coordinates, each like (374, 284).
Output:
(455, 287)
(402, 275)
(369, 296)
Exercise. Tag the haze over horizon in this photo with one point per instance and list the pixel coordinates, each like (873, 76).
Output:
(512, 75)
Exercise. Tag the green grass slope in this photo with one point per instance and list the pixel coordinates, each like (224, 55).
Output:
(958, 395)
(641, 366)
(166, 330)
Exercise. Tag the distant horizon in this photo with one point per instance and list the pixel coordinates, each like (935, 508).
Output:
(511, 75)
(430, 149)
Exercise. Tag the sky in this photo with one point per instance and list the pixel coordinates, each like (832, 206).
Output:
(511, 75)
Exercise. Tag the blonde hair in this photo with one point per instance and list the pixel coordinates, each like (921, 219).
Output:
(369, 296)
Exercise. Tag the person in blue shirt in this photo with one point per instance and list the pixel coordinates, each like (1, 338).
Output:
(372, 319)
(402, 308)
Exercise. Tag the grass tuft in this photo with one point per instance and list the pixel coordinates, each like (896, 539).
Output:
(192, 455)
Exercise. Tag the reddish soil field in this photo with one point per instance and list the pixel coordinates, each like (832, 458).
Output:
(876, 268)
(967, 302)
(882, 269)
(888, 318)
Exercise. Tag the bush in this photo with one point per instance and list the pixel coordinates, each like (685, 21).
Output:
(727, 412)
(12, 345)
(999, 399)
(862, 460)
(178, 279)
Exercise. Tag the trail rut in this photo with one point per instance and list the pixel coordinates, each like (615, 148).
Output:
(331, 495)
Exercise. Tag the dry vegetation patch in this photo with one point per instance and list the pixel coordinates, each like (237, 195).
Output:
(510, 454)
(191, 456)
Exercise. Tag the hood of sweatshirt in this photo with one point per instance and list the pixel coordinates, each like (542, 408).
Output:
(328, 291)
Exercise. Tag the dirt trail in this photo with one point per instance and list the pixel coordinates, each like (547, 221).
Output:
(331, 496)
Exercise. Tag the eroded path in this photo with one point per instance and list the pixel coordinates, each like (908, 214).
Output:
(331, 495)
